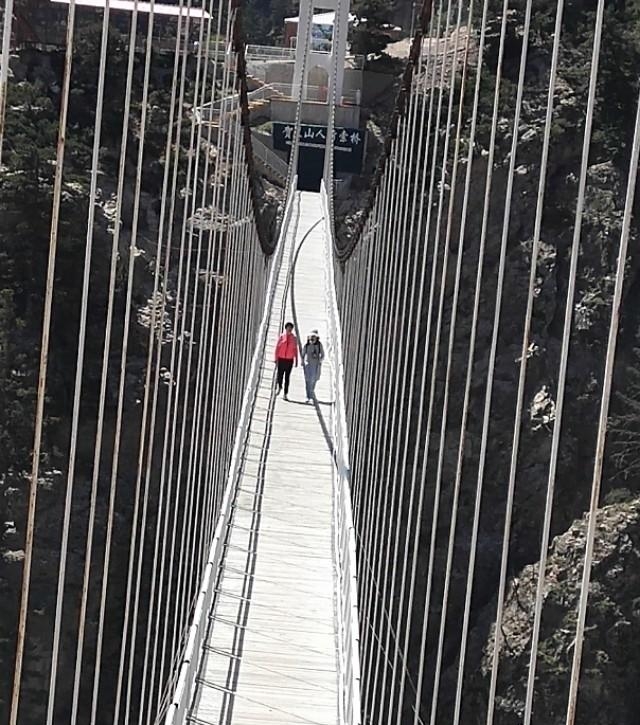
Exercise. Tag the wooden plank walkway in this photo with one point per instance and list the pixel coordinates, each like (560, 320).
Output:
(271, 651)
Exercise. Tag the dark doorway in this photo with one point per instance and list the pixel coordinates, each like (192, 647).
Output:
(310, 168)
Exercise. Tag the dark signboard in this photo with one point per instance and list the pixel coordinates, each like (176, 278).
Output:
(348, 143)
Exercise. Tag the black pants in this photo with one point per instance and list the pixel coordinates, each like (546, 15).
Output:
(284, 370)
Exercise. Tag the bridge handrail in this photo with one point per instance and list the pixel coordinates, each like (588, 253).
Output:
(349, 628)
(269, 157)
(187, 672)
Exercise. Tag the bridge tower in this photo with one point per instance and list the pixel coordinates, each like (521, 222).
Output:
(323, 49)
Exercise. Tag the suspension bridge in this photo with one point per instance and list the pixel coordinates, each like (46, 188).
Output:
(225, 555)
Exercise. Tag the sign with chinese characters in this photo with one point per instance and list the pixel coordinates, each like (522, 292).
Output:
(348, 143)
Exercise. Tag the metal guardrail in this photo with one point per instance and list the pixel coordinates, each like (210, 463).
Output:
(315, 94)
(349, 627)
(275, 53)
(190, 661)
(269, 158)
(269, 91)
(269, 52)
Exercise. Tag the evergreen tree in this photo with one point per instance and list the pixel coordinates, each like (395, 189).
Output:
(369, 36)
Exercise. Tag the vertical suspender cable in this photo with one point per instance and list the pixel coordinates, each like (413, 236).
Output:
(523, 370)
(380, 385)
(186, 331)
(131, 270)
(162, 508)
(43, 365)
(105, 368)
(166, 460)
(495, 330)
(562, 373)
(4, 67)
(443, 185)
(480, 265)
(77, 394)
(182, 311)
(165, 536)
(364, 470)
(602, 422)
(151, 337)
(427, 144)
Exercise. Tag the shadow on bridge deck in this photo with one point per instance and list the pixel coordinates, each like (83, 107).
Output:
(271, 650)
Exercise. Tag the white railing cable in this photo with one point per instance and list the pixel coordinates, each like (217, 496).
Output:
(423, 381)
(157, 315)
(413, 215)
(387, 385)
(472, 351)
(452, 184)
(132, 255)
(382, 256)
(201, 87)
(362, 504)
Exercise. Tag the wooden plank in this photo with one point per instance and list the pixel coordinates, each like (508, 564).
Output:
(271, 650)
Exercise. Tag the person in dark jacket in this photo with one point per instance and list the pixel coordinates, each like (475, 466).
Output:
(312, 357)
(286, 355)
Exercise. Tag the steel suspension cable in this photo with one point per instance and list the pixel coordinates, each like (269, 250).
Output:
(430, 412)
(380, 383)
(97, 456)
(143, 527)
(123, 362)
(174, 490)
(474, 322)
(564, 355)
(525, 349)
(603, 415)
(4, 67)
(398, 401)
(158, 567)
(361, 463)
(132, 255)
(80, 359)
(187, 327)
(452, 326)
(206, 325)
(43, 367)
(419, 306)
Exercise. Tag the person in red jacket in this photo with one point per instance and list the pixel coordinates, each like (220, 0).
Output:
(286, 356)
